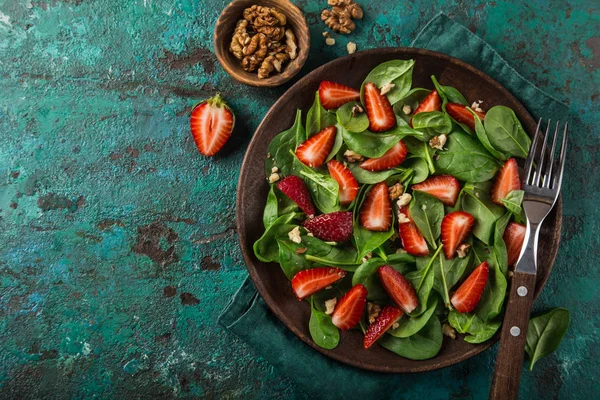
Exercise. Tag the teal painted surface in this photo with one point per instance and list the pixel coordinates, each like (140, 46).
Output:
(118, 247)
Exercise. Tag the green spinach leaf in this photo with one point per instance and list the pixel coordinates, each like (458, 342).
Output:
(545, 333)
(448, 273)
(483, 138)
(408, 326)
(291, 262)
(412, 99)
(323, 188)
(420, 168)
(369, 144)
(427, 212)
(423, 280)
(424, 344)
(366, 274)
(513, 203)
(271, 212)
(318, 118)
(478, 203)
(432, 123)
(371, 178)
(397, 72)
(266, 248)
(492, 298)
(322, 330)
(448, 94)
(469, 323)
(365, 240)
(352, 123)
(282, 147)
(324, 253)
(422, 150)
(505, 132)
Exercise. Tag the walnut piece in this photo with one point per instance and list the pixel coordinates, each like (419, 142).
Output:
(351, 47)
(449, 331)
(294, 235)
(373, 311)
(402, 218)
(404, 200)
(271, 63)
(395, 191)
(330, 306)
(438, 142)
(240, 35)
(255, 52)
(291, 44)
(462, 250)
(357, 109)
(352, 156)
(338, 20)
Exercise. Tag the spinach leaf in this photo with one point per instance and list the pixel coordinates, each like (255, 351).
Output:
(432, 123)
(448, 273)
(398, 72)
(266, 248)
(365, 240)
(371, 178)
(495, 255)
(492, 298)
(478, 203)
(282, 147)
(337, 144)
(352, 123)
(448, 94)
(408, 326)
(318, 118)
(466, 159)
(423, 280)
(469, 323)
(505, 132)
(323, 189)
(545, 333)
(483, 138)
(422, 150)
(427, 212)
(366, 274)
(369, 144)
(291, 262)
(513, 202)
(422, 345)
(322, 330)
(420, 168)
(324, 253)
(412, 99)
(271, 210)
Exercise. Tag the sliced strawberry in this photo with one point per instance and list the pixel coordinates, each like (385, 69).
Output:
(333, 94)
(349, 309)
(379, 110)
(506, 181)
(445, 187)
(332, 227)
(514, 235)
(376, 210)
(467, 296)
(462, 115)
(295, 188)
(345, 179)
(309, 281)
(384, 321)
(432, 102)
(455, 228)
(314, 151)
(398, 288)
(392, 158)
(412, 239)
(211, 124)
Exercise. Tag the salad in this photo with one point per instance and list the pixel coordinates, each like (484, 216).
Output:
(396, 210)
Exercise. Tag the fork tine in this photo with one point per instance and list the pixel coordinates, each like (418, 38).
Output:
(548, 182)
(530, 156)
(540, 166)
(561, 160)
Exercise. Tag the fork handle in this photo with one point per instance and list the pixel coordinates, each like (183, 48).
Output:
(509, 362)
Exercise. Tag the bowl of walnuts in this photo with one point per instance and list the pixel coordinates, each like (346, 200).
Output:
(261, 43)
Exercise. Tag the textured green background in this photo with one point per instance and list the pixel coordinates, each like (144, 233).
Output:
(118, 247)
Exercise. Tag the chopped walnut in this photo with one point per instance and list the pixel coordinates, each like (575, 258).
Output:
(385, 89)
(357, 109)
(274, 169)
(475, 106)
(292, 46)
(273, 178)
(401, 251)
(462, 250)
(353, 157)
(449, 331)
(325, 34)
(351, 47)
(395, 191)
(330, 41)
(294, 235)
(404, 200)
(395, 325)
(438, 142)
(373, 311)
(339, 17)
(367, 257)
(406, 109)
(402, 218)
(330, 306)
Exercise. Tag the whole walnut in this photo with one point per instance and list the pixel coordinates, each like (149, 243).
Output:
(339, 17)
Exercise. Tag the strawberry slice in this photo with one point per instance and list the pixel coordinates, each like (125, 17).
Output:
(345, 179)
(211, 124)
(412, 239)
(309, 281)
(507, 181)
(379, 110)
(514, 235)
(376, 210)
(314, 151)
(462, 115)
(398, 288)
(295, 188)
(432, 102)
(384, 321)
(349, 308)
(390, 159)
(332, 227)
(444, 187)
(455, 228)
(467, 296)
(333, 94)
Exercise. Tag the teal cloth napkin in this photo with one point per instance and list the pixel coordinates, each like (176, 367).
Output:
(248, 317)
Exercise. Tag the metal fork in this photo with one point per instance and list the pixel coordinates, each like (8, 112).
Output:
(541, 182)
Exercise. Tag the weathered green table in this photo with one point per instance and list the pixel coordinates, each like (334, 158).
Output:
(118, 247)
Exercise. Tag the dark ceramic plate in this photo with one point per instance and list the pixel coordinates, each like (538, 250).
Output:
(253, 188)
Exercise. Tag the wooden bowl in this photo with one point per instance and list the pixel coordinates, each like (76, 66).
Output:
(224, 32)
(268, 278)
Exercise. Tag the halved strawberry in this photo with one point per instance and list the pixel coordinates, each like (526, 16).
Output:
(211, 124)
(333, 94)
(398, 288)
(384, 321)
(455, 228)
(462, 115)
(379, 110)
(349, 309)
(432, 102)
(506, 181)
(467, 296)
(314, 151)
(514, 235)
(390, 159)
(412, 239)
(345, 179)
(332, 227)
(445, 187)
(376, 210)
(295, 188)
(309, 281)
